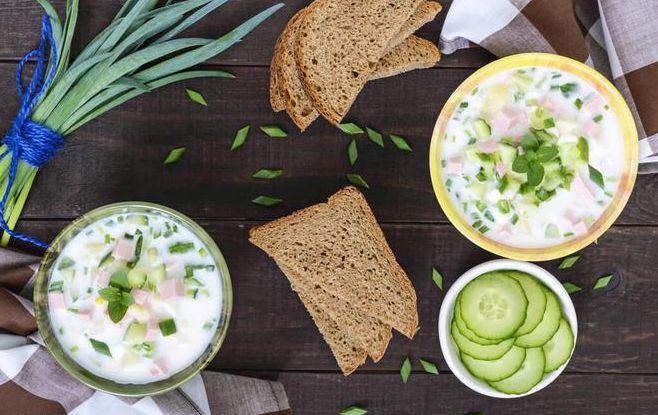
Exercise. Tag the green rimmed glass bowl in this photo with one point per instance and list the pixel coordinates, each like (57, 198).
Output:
(82, 374)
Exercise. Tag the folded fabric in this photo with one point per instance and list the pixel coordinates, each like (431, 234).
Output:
(31, 382)
(617, 37)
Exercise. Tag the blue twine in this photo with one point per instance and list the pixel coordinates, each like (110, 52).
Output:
(27, 140)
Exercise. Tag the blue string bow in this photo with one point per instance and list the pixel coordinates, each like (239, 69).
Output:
(27, 140)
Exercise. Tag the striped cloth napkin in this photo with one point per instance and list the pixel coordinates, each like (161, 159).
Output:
(32, 383)
(617, 37)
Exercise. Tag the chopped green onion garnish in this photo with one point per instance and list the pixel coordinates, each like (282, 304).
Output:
(567, 88)
(429, 367)
(350, 128)
(489, 216)
(175, 155)
(196, 97)
(65, 263)
(240, 137)
(267, 174)
(503, 206)
(405, 370)
(598, 118)
(181, 247)
(515, 219)
(602, 282)
(571, 288)
(57, 286)
(463, 105)
(480, 206)
(357, 180)
(267, 201)
(203, 253)
(484, 229)
(437, 278)
(100, 347)
(167, 327)
(400, 142)
(273, 131)
(208, 325)
(578, 103)
(568, 262)
(596, 177)
(375, 136)
(352, 152)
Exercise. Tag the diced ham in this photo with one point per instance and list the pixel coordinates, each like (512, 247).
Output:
(508, 118)
(505, 231)
(579, 228)
(85, 316)
(488, 147)
(161, 366)
(570, 217)
(57, 301)
(172, 288)
(593, 106)
(547, 103)
(592, 129)
(140, 296)
(103, 279)
(455, 165)
(124, 250)
(501, 168)
(581, 189)
(152, 330)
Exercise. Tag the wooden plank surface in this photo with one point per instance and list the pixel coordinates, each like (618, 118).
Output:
(270, 330)
(124, 151)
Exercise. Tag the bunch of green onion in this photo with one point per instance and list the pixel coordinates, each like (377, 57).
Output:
(136, 53)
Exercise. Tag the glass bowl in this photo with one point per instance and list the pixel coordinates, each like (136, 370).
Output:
(627, 180)
(82, 374)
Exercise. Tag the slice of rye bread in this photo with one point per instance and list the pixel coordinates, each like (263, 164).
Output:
(414, 53)
(290, 92)
(370, 333)
(345, 349)
(340, 247)
(339, 44)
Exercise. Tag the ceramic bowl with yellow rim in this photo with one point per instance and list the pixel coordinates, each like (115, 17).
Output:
(133, 299)
(534, 156)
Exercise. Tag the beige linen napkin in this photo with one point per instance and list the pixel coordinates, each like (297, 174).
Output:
(32, 383)
(617, 37)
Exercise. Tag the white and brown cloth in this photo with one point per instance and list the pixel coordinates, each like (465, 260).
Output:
(619, 38)
(32, 383)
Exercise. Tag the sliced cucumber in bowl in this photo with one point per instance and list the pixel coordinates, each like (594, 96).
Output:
(559, 348)
(466, 332)
(495, 370)
(527, 377)
(479, 351)
(548, 326)
(536, 296)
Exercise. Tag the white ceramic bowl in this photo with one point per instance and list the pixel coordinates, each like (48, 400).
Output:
(448, 346)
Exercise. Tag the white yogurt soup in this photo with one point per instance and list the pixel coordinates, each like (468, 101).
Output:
(135, 298)
(532, 157)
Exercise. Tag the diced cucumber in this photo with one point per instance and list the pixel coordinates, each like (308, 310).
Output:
(493, 305)
(465, 331)
(507, 154)
(552, 181)
(478, 189)
(157, 275)
(471, 153)
(549, 324)
(479, 351)
(551, 167)
(534, 292)
(513, 187)
(521, 82)
(537, 118)
(527, 377)
(495, 370)
(495, 98)
(152, 254)
(552, 231)
(481, 128)
(139, 220)
(559, 348)
(569, 154)
(106, 260)
(136, 278)
(135, 333)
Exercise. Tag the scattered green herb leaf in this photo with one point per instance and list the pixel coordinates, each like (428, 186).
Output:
(196, 97)
(267, 201)
(602, 282)
(240, 137)
(571, 288)
(375, 136)
(175, 155)
(357, 180)
(267, 174)
(568, 262)
(429, 367)
(350, 128)
(110, 293)
(116, 310)
(100, 347)
(405, 370)
(119, 279)
(437, 278)
(400, 142)
(353, 410)
(352, 152)
(273, 131)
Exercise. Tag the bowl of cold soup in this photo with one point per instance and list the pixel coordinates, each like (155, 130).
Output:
(534, 156)
(133, 299)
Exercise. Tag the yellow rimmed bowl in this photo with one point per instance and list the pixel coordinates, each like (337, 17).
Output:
(68, 363)
(626, 183)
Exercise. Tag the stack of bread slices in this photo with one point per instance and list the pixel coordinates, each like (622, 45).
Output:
(329, 50)
(337, 260)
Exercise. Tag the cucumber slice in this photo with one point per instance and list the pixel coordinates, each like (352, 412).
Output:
(479, 351)
(481, 128)
(493, 305)
(135, 333)
(559, 348)
(136, 278)
(495, 370)
(158, 275)
(461, 326)
(507, 153)
(139, 220)
(546, 329)
(478, 190)
(527, 377)
(534, 292)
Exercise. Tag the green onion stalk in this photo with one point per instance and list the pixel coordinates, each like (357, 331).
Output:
(139, 51)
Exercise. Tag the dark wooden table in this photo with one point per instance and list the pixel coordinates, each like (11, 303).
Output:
(119, 157)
